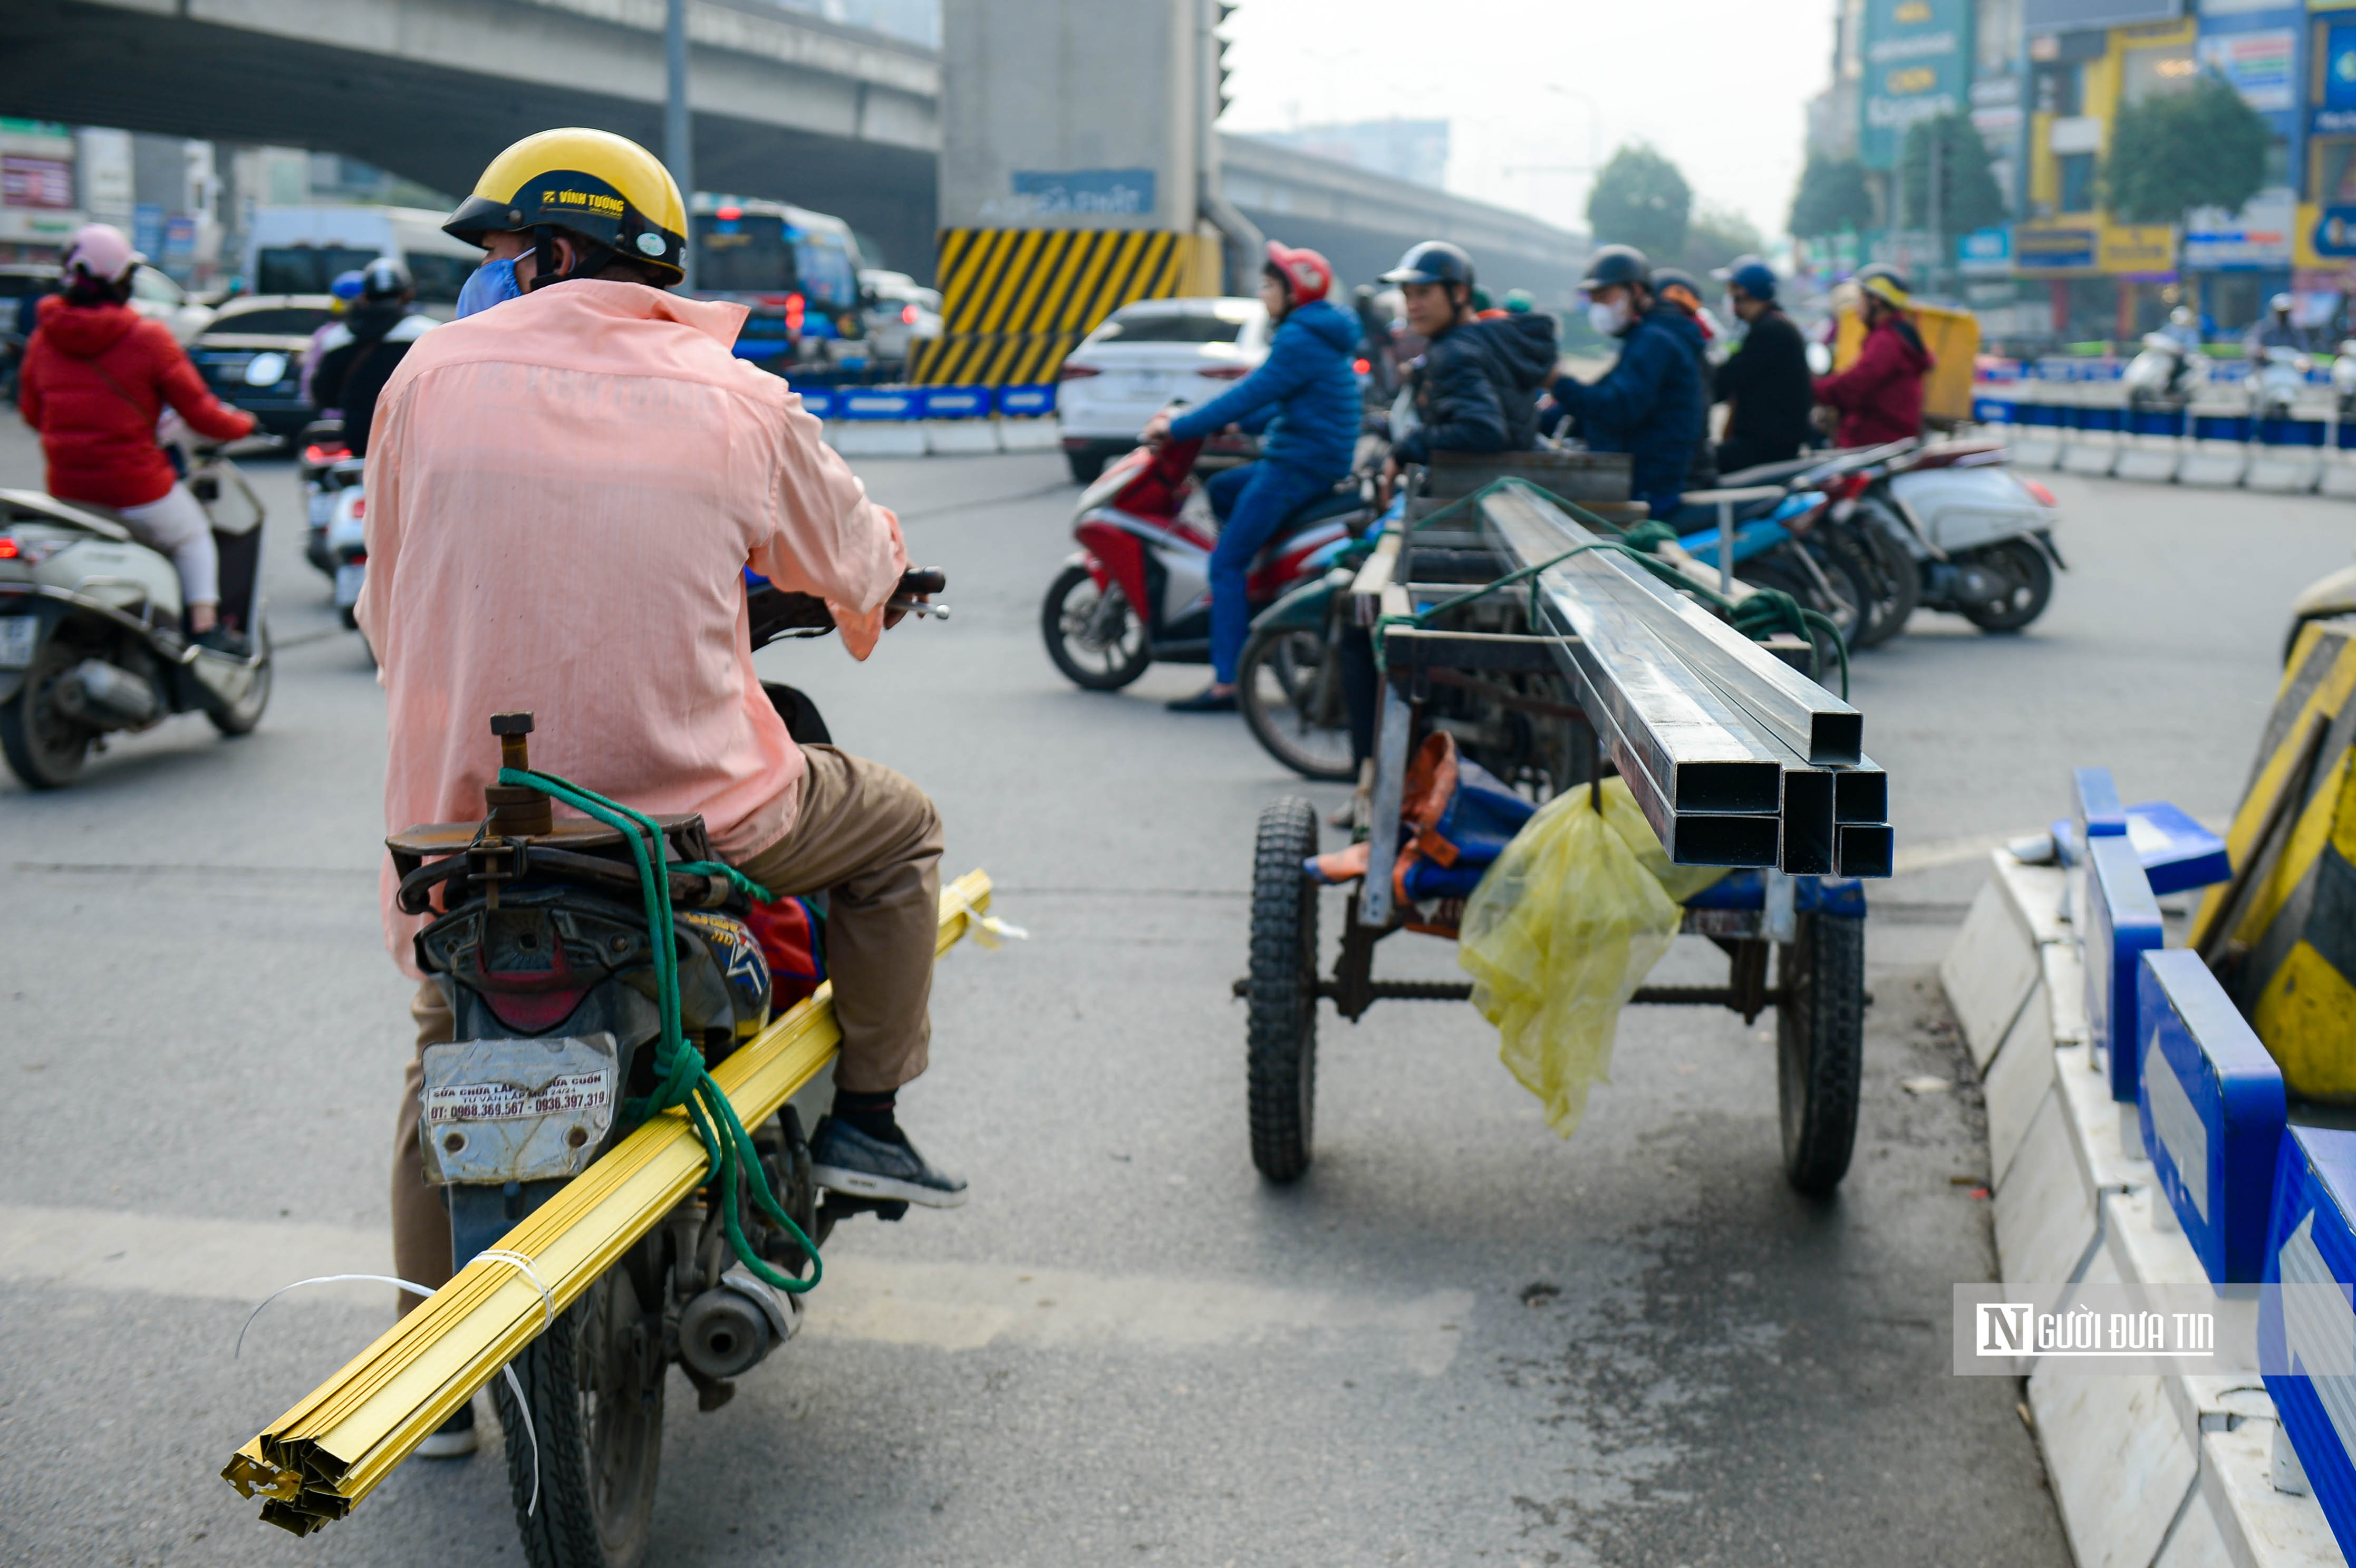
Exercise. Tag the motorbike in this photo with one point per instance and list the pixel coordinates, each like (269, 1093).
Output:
(538, 929)
(335, 498)
(2274, 383)
(1981, 537)
(2165, 374)
(1139, 589)
(92, 643)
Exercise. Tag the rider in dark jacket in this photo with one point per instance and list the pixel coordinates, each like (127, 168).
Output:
(1766, 384)
(1649, 404)
(1478, 388)
(361, 351)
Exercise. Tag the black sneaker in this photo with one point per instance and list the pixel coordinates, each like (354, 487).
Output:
(454, 1439)
(221, 640)
(1206, 700)
(847, 1160)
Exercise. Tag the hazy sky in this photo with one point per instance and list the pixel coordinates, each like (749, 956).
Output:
(1718, 85)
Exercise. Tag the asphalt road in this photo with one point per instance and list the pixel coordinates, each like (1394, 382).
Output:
(1460, 1340)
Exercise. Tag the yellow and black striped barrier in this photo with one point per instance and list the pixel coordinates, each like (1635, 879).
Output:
(1015, 301)
(2282, 933)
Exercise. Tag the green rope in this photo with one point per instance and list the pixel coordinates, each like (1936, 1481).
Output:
(681, 1079)
(1762, 612)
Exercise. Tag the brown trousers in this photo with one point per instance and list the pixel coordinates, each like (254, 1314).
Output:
(870, 841)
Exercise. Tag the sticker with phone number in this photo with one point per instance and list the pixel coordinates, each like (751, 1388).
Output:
(511, 1101)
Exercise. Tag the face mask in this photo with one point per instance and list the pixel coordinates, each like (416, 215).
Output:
(494, 282)
(1607, 320)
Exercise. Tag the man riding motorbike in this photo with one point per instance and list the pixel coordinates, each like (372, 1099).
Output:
(1765, 385)
(1304, 397)
(1651, 403)
(564, 492)
(367, 346)
(1477, 384)
(340, 295)
(1880, 397)
(96, 378)
(2277, 329)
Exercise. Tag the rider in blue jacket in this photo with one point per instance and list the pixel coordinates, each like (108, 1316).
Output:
(1653, 404)
(1304, 400)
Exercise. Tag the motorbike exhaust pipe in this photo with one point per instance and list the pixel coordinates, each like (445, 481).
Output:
(108, 696)
(728, 1328)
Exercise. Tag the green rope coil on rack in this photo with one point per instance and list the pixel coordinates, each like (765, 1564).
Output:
(681, 1079)
(1761, 614)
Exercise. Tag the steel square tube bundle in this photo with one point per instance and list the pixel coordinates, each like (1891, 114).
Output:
(1700, 719)
(317, 1462)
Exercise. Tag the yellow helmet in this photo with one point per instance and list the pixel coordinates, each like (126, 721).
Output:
(1884, 284)
(595, 184)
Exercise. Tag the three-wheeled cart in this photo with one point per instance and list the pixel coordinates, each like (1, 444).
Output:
(1513, 685)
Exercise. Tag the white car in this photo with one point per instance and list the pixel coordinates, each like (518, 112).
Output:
(901, 313)
(1145, 357)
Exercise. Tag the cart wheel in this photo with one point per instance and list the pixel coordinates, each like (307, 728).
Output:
(1820, 1048)
(1282, 1047)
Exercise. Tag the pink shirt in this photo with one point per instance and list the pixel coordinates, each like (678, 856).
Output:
(561, 493)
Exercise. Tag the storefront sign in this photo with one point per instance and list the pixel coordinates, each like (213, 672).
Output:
(2055, 250)
(35, 182)
(2258, 64)
(2326, 236)
(1985, 252)
(1917, 59)
(2255, 240)
(2143, 250)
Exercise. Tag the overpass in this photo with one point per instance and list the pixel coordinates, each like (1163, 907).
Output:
(786, 105)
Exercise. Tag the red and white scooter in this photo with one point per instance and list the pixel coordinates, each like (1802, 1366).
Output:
(1139, 588)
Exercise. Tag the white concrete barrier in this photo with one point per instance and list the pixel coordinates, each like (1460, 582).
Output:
(2149, 1472)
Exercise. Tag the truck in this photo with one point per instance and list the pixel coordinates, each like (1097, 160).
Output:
(301, 250)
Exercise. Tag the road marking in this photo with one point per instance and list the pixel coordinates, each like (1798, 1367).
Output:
(942, 1307)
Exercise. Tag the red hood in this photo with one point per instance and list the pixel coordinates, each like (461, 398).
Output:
(84, 331)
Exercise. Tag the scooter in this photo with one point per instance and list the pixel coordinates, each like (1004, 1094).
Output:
(1981, 536)
(91, 636)
(2165, 374)
(1139, 589)
(2275, 383)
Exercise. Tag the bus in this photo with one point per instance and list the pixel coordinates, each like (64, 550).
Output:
(796, 270)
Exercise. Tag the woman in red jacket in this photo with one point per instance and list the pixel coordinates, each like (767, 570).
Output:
(96, 378)
(1880, 396)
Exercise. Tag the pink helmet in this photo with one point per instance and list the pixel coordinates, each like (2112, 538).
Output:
(103, 252)
(1307, 274)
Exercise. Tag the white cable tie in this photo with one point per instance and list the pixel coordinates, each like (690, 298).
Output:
(410, 1287)
(523, 1408)
(523, 1265)
(987, 929)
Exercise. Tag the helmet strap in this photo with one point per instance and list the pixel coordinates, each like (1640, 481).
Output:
(543, 256)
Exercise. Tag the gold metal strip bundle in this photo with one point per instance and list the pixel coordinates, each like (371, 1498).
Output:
(317, 1461)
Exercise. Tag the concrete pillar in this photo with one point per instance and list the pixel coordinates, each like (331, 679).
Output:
(1073, 175)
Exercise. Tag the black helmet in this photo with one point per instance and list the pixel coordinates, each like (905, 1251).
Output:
(1665, 278)
(385, 279)
(1616, 264)
(1433, 262)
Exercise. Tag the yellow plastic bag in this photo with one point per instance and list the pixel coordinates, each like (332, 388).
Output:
(1562, 930)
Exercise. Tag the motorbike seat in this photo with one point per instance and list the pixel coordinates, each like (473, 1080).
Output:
(1318, 508)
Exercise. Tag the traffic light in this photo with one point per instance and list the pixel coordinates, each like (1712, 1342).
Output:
(1224, 10)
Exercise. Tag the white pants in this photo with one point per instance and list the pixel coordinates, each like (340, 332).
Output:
(178, 525)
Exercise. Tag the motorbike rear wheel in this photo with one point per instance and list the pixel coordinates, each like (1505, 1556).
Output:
(46, 749)
(1768, 572)
(1094, 636)
(594, 1384)
(1885, 570)
(2027, 586)
(1289, 685)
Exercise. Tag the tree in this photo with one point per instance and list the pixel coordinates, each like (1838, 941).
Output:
(2203, 146)
(1967, 196)
(1833, 197)
(1641, 199)
(1717, 236)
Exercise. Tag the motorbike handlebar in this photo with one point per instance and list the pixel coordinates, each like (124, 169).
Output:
(776, 613)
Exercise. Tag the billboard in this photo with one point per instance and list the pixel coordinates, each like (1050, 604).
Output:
(1917, 67)
(2261, 64)
(2076, 16)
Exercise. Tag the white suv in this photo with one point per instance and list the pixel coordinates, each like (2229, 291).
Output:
(1145, 357)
